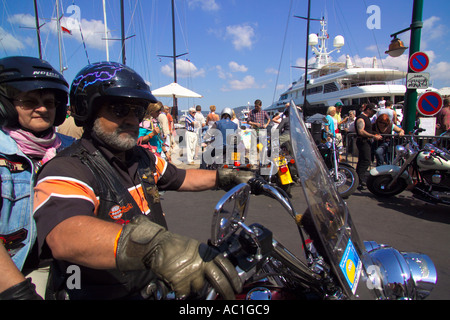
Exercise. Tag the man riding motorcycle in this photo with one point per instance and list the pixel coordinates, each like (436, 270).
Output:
(223, 132)
(97, 204)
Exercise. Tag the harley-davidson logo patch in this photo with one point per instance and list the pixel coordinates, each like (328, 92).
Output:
(117, 211)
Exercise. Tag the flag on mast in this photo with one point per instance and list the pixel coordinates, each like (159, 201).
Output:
(64, 29)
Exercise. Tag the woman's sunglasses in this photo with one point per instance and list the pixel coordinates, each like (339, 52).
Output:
(121, 110)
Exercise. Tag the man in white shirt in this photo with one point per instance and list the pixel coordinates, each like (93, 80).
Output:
(390, 112)
(200, 122)
(381, 103)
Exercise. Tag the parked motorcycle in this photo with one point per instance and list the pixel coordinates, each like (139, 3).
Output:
(343, 174)
(426, 170)
(337, 264)
(278, 166)
(216, 155)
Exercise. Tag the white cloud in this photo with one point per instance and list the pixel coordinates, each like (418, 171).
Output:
(206, 5)
(242, 36)
(372, 48)
(9, 43)
(12, 43)
(247, 83)
(399, 63)
(432, 30)
(185, 69)
(271, 71)
(222, 73)
(24, 20)
(235, 67)
(300, 62)
(440, 71)
(93, 30)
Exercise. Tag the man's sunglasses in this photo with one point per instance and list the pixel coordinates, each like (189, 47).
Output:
(121, 110)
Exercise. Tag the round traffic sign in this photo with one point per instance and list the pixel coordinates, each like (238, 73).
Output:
(429, 103)
(418, 61)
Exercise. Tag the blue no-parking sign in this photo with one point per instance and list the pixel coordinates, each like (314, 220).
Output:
(429, 103)
(418, 61)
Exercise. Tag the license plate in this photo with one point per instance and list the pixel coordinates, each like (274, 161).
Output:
(236, 156)
(281, 161)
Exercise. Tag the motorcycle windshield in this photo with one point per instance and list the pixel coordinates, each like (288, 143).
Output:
(329, 213)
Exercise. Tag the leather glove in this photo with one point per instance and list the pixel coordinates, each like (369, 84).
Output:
(228, 178)
(183, 263)
(25, 290)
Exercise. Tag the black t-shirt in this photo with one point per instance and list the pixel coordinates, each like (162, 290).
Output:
(367, 124)
(65, 186)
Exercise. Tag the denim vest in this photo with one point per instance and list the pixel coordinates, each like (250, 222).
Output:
(17, 226)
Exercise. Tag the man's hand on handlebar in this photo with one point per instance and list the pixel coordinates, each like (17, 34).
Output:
(183, 263)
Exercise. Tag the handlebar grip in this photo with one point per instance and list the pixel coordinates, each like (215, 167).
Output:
(257, 185)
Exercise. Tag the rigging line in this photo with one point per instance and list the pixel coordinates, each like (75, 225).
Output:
(47, 38)
(378, 50)
(348, 32)
(182, 31)
(12, 30)
(186, 43)
(185, 25)
(282, 50)
(84, 44)
(131, 23)
(146, 46)
(62, 39)
(375, 39)
(1, 39)
(75, 51)
(144, 42)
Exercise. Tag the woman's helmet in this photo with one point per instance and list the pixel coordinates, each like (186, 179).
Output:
(104, 80)
(22, 74)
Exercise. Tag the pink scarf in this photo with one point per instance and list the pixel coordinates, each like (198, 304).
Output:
(34, 147)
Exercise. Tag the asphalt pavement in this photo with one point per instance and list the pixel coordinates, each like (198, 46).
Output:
(402, 222)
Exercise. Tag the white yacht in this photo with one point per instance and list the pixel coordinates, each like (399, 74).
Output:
(331, 82)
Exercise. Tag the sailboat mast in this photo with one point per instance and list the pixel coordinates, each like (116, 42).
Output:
(122, 23)
(106, 30)
(174, 45)
(305, 90)
(58, 26)
(175, 101)
(38, 31)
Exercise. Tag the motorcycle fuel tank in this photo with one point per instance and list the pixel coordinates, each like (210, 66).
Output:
(427, 161)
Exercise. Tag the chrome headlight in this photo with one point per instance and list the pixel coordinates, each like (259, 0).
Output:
(401, 151)
(400, 275)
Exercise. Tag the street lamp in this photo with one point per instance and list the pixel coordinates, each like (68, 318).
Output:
(398, 49)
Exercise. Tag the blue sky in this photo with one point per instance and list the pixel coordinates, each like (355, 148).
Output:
(237, 50)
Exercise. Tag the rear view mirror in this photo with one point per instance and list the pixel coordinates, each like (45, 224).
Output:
(229, 212)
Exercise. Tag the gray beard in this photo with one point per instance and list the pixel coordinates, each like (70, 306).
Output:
(114, 140)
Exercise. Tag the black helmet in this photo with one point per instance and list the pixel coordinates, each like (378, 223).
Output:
(22, 74)
(105, 80)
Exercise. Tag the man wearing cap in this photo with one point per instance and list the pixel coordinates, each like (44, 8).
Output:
(365, 136)
(191, 135)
